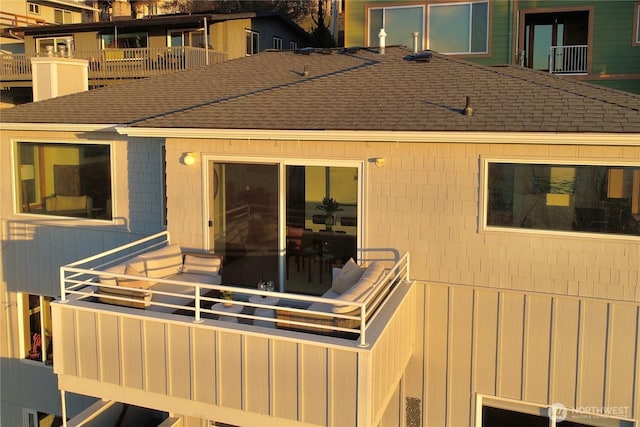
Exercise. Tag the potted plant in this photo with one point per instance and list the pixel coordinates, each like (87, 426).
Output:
(329, 206)
(227, 296)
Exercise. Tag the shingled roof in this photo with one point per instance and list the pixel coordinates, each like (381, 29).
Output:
(348, 89)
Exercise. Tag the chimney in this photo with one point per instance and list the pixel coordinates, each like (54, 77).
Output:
(56, 76)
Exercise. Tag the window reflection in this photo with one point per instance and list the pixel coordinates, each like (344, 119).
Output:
(584, 198)
(72, 180)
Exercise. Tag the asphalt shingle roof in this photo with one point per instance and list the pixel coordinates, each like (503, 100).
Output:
(348, 90)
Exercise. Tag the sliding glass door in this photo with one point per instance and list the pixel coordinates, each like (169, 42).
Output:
(290, 223)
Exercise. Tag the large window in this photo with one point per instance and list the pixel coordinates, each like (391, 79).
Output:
(72, 180)
(459, 27)
(563, 197)
(36, 327)
(191, 38)
(398, 22)
(124, 40)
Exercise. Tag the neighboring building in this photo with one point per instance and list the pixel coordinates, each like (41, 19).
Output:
(592, 40)
(138, 48)
(521, 221)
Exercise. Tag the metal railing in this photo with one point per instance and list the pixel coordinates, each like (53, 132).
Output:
(81, 281)
(568, 59)
(114, 64)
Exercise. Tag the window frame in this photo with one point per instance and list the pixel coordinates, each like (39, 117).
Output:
(277, 43)
(530, 408)
(65, 13)
(255, 42)
(57, 40)
(282, 164)
(33, 8)
(636, 24)
(483, 196)
(487, 51)
(17, 197)
(293, 45)
(24, 326)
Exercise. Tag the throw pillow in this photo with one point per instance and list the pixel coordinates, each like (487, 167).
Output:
(133, 283)
(201, 264)
(348, 276)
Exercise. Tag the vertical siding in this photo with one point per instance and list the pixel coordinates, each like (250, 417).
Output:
(529, 347)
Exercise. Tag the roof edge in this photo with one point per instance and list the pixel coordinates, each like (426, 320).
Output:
(61, 127)
(545, 138)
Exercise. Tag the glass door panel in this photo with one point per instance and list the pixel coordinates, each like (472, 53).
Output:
(244, 221)
(318, 237)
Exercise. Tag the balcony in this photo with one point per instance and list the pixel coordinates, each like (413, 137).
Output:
(568, 59)
(118, 64)
(236, 366)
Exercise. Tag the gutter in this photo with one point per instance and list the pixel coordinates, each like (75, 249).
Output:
(547, 138)
(60, 127)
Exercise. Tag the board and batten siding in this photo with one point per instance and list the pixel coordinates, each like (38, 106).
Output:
(233, 373)
(532, 347)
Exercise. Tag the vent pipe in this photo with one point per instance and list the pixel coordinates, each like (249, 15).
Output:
(382, 35)
(415, 36)
(468, 111)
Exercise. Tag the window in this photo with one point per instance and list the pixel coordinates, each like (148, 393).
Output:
(34, 8)
(252, 42)
(124, 40)
(564, 197)
(459, 27)
(398, 22)
(72, 180)
(36, 327)
(55, 44)
(62, 16)
(277, 43)
(293, 45)
(636, 24)
(33, 418)
(498, 412)
(191, 38)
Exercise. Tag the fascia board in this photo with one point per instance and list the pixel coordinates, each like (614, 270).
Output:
(537, 138)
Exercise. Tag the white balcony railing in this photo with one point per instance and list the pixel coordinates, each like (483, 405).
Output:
(568, 59)
(81, 280)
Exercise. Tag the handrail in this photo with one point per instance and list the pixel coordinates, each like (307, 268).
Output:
(80, 279)
(114, 64)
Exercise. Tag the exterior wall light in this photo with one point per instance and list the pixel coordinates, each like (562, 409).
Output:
(379, 161)
(189, 158)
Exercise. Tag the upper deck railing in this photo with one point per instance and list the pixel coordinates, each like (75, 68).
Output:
(115, 64)
(8, 19)
(80, 281)
(568, 59)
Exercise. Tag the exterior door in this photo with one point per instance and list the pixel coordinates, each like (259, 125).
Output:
(243, 220)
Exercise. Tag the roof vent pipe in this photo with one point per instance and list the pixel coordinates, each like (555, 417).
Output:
(382, 35)
(415, 35)
(468, 111)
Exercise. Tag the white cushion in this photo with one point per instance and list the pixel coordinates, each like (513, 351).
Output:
(141, 283)
(201, 264)
(163, 262)
(373, 272)
(105, 279)
(348, 275)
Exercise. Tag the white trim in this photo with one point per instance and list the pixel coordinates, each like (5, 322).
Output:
(538, 138)
(569, 161)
